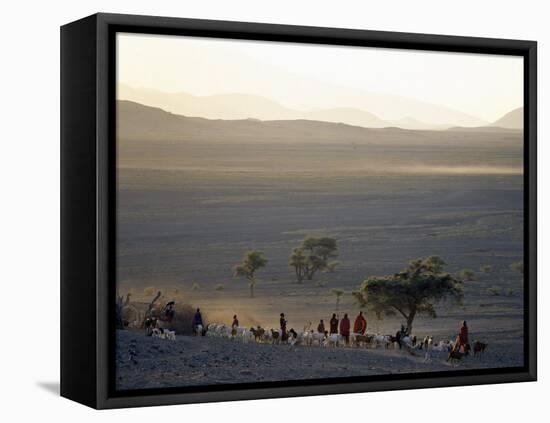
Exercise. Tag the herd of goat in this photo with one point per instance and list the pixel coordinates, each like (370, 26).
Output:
(311, 338)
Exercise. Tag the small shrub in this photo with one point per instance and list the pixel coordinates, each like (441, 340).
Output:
(466, 274)
(149, 291)
(331, 267)
(517, 267)
(494, 290)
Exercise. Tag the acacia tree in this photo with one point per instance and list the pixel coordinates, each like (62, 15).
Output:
(252, 262)
(413, 291)
(313, 255)
(298, 260)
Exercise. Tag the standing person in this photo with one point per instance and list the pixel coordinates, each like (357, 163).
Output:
(400, 335)
(197, 321)
(234, 326)
(282, 323)
(345, 327)
(360, 325)
(462, 339)
(235, 323)
(321, 327)
(169, 311)
(333, 324)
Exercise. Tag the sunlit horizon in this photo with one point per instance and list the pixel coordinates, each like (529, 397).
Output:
(392, 84)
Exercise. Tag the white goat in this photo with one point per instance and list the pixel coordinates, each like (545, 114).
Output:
(443, 346)
(163, 334)
(317, 337)
(334, 340)
(380, 340)
(248, 336)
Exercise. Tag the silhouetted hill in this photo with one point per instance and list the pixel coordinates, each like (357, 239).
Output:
(363, 110)
(511, 120)
(137, 122)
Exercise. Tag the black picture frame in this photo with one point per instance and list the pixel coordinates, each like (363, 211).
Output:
(88, 207)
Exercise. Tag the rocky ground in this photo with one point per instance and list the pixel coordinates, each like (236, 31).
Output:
(146, 362)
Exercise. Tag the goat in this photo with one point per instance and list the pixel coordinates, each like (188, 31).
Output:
(163, 334)
(211, 329)
(381, 340)
(292, 337)
(479, 347)
(306, 337)
(335, 340)
(455, 357)
(258, 333)
(317, 337)
(361, 340)
(407, 341)
(170, 335)
(197, 331)
(248, 335)
(443, 346)
(267, 337)
(275, 336)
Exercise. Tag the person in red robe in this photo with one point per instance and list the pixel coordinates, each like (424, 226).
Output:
(360, 325)
(345, 327)
(462, 339)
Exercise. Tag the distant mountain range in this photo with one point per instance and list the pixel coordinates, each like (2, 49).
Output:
(145, 124)
(243, 106)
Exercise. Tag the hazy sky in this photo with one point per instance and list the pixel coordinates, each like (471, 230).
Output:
(307, 76)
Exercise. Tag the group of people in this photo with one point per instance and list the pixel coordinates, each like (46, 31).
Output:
(343, 327)
(336, 326)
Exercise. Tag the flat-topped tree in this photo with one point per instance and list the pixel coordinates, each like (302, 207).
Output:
(411, 292)
(252, 262)
(313, 255)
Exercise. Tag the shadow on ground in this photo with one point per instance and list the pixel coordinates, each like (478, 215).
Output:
(51, 387)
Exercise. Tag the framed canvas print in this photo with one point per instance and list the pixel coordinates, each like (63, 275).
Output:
(254, 211)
